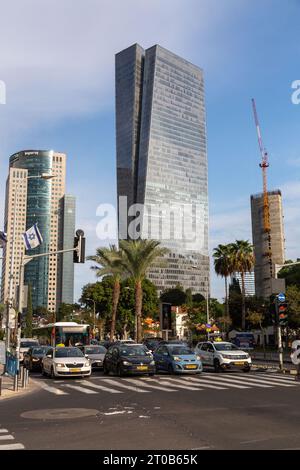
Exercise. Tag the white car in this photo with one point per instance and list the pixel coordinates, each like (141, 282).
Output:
(25, 344)
(66, 361)
(223, 355)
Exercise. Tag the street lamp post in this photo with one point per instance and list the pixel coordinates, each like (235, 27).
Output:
(44, 176)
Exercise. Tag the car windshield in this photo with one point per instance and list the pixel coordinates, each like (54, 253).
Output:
(95, 350)
(225, 347)
(133, 351)
(28, 344)
(41, 350)
(68, 352)
(182, 350)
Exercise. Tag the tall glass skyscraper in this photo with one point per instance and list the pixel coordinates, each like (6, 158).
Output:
(162, 160)
(40, 201)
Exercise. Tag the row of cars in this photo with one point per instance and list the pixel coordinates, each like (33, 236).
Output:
(122, 358)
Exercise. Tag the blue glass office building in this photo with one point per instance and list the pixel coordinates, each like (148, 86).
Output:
(162, 158)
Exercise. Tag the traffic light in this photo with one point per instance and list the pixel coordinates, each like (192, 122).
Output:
(79, 245)
(165, 316)
(282, 313)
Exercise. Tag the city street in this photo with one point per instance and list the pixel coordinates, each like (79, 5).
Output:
(232, 410)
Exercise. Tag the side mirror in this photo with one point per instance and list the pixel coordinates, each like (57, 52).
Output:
(49, 355)
(86, 355)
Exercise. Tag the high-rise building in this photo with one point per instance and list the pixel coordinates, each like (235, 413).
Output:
(162, 161)
(32, 198)
(264, 285)
(248, 280)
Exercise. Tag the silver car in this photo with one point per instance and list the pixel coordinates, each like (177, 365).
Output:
(66, 361)
(95, 354)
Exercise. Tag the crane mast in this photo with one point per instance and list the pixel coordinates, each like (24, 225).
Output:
(266, 207)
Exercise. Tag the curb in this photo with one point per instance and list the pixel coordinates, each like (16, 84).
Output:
(10, 394)
(276, 368)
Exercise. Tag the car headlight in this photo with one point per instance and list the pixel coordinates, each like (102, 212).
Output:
(225, 356)
(247, 356)
(152, 363)
(176, 358)
(126, 363)
(87, 364)
(60, 365)
(198, 358)
(35, 359)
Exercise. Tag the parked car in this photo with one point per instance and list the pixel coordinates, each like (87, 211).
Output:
(128, 358)
(33, 357)
(25, 344)
(95, 354)
(66, 361)
(223, 355)
(152, 343)
(176, 358)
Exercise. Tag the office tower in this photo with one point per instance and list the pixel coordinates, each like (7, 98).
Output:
(162, 161)
(32, 198)
(264, 286)
(249, 282)
(66, 265)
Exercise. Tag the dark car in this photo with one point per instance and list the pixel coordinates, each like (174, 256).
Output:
(152, 343)
(33, 357)
(95, 354)
(122, 359)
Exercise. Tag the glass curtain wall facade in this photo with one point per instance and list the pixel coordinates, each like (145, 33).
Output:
(66, 266)
(38, 211)
(170, 164)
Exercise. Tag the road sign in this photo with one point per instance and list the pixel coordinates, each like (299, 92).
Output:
(281, 297)
(208, 325)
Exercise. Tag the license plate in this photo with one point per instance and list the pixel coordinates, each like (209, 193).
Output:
(75, 370)
(239, 363)
(142, 367)
(191, 366)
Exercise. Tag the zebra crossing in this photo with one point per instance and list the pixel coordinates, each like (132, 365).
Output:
(6, 441)
(170, 384)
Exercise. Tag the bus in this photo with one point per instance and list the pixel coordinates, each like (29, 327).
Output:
(66, 333)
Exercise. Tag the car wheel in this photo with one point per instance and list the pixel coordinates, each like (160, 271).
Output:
(43, 372)
(119, 371)
(246, 369)
(105, 369)
(52, 375)
(217, 365)
(170, 369)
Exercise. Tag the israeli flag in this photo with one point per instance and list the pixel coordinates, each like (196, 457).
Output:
(3, 238)
(32, 237)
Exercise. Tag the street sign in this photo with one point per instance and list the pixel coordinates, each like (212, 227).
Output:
(208, 325)
(281, 297)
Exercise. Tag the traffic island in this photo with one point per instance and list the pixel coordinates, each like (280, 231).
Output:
(7, 386)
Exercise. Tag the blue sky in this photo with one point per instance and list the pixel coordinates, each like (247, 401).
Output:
(57, 61)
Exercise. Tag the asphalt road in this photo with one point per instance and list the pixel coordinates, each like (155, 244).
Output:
(212, 411)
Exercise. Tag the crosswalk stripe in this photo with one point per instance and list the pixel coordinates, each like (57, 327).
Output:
(11, 446)
(277, 376)
(80, 389)
(129, 387)
(205, 383)
(99, 387)
(227, 382)
(54, 390)
(185, 387)
(7, 437)
(246, 381)
(3, 430)
(267, 381)
(155, 387)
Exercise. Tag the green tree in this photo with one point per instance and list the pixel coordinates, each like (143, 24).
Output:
(223, 263)
(102, 293)
(242, 262)
(176, 296)
(137, 257)
(66, 312)
(291, 274)
(108, 263)
(293, 302)
(29, 313)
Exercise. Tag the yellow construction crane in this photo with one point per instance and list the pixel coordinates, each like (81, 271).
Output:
(266, 208)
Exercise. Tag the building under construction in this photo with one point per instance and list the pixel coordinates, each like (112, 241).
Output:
(263, 280)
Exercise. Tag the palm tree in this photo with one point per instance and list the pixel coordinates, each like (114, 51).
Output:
(108, 263)
(243, 262)
(224, 267)
(137, 257)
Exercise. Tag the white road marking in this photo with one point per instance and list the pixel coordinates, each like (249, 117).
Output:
(155, 387)
(7, 437)
(11, 446)
(277, 377)
(99, 387)
(205, 383)
(122, 385)
(3, 430)
(80, 389)
(269, 382)
(225, 381)
(50, 389)
(185, 387)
